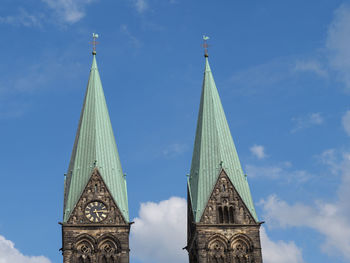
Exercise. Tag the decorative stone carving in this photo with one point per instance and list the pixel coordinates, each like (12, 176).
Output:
(105, 241)
(93, 192)
(217, 252)
(83, 251)
(225, 205)
(226, 233)
(109, 251)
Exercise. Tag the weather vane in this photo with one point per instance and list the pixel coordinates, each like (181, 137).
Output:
(94, 43)
(205, 45)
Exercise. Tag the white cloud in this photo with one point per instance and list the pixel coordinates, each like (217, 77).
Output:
(23, 18)
(175, 149)
(40, 74)
(141, 5)
(311, 66)
(30, 78)
(70, 11)
(346, 122)
(329, 158)
(333, 57)
(250, 81)
(307, 121)
(258, 151)
(338, 44)
(316, 118)
(133, 40)
(9, 254)
(159, 232)
(272, 172)
(343, 191)
(331, 219)
(281, 171)
(280, 251)
(326, 218)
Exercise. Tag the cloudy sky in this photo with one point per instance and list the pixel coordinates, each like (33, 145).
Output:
(282, 69)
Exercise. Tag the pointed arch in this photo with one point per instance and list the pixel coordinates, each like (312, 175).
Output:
(242, 249)
(83, 248)
(241, 238)
(111, 240)
(88, 238)
(217, 249)
(109, 248)
(219, 237)
(109, 236)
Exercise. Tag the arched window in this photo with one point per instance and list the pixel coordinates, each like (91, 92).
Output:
(226, 220)
(231, 214)
(221, 215)
(217, 252)
(108, 251)
(242, 251)
(83, 251)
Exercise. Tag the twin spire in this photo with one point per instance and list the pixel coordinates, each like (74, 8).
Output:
(214, 150)
(95, 147)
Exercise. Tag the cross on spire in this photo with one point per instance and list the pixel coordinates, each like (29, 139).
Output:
(205, 45)
(94, 43)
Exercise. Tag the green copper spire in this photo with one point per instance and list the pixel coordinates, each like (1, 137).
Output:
(214, 150)
(94, 146)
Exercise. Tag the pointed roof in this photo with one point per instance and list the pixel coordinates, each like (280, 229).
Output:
(213, 151)
(94, 146)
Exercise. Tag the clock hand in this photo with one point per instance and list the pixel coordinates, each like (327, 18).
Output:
(97, 213)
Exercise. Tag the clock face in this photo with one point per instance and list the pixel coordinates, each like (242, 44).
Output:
(96, 211)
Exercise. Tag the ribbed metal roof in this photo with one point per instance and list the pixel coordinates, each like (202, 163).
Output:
(94, 146)
(214, 150)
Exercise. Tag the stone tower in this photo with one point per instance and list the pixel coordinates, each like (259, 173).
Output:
(95, 225)
(222, 223)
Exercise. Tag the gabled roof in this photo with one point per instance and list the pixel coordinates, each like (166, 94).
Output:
(94, 146)
(214, 150)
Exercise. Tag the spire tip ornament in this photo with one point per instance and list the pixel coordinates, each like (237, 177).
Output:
(94, 43)
(205, 45)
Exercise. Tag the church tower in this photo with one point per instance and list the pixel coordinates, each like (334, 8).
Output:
(222, 223)
(95, 227)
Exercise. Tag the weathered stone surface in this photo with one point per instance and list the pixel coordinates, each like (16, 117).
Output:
(103, 242)
(227, 232)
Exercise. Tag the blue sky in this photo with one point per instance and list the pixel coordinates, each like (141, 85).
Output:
(282, 69)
